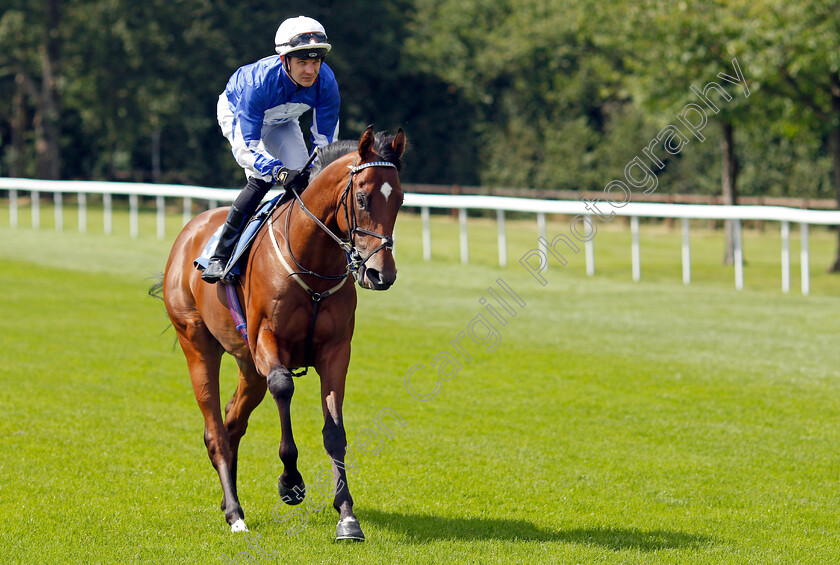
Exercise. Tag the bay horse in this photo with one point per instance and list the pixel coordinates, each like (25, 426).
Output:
(340, 227)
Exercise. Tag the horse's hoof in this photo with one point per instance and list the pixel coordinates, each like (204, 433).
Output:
(349, 529)
(239, 526)
(291, 496)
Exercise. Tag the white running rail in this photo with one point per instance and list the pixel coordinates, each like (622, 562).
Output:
(462, 203)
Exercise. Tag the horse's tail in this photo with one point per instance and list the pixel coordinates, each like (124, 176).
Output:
(156, 290)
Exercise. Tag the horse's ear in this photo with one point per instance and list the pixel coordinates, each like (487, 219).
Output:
(366, 143)
(398, 145)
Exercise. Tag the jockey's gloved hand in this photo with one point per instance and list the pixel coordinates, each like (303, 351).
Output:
(291, 179)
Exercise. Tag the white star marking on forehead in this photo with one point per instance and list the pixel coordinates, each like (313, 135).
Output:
(386, 190)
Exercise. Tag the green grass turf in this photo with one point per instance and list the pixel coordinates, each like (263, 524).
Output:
(616, 422)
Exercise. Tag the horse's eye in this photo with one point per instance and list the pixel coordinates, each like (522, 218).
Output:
(361, 200)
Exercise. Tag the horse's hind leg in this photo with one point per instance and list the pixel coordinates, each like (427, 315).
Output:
(250, 391)
(204, 356)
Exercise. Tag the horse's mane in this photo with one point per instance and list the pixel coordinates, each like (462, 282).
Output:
(335, 150)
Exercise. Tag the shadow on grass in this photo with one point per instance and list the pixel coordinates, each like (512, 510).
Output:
(424, 528)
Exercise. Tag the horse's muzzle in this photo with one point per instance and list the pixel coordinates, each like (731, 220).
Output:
(374, 279)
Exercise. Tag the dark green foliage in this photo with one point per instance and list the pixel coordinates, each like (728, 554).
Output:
(543, 94)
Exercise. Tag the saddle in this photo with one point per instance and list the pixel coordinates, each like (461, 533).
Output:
(236, 262)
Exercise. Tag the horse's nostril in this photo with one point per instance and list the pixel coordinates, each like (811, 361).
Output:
(374, 276)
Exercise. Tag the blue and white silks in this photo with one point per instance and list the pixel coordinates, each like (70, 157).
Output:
(259, 111)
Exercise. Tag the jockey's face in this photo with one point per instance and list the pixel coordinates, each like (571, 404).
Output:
(304, 71)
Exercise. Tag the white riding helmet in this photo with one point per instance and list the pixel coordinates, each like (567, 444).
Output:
(302, 37)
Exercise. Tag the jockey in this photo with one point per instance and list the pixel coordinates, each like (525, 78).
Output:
(258, 113)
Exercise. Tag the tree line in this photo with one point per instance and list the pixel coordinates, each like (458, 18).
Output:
(545, 94)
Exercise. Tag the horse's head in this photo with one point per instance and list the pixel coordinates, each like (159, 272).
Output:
(371, 202)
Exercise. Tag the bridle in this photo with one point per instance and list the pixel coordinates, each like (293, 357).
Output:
(355, 261)
(354, 258)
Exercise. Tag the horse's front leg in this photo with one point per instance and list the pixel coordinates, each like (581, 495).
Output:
(333, 372)
(281, 386)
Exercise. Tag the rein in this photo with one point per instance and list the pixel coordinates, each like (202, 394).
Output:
(354, 258)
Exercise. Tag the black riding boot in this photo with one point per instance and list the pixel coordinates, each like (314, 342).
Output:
(227, 242)
(243, 208)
